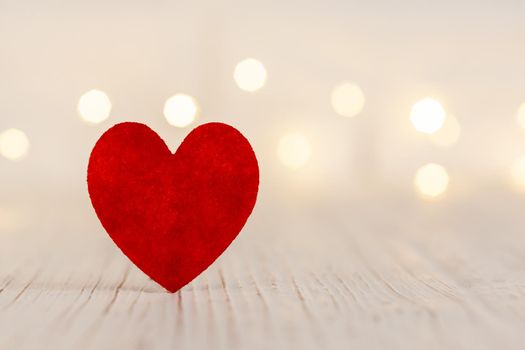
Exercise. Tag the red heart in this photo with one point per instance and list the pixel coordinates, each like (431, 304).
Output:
(173, 214)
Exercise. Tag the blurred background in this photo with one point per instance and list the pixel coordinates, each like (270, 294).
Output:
(341, 100)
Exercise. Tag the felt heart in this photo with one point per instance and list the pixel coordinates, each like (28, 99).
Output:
(173, 214)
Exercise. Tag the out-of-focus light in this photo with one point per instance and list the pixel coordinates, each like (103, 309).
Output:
(180, 110)
(431, 180)
(449, 134)
(517, 173)
(10, 219)
(14, 144)
(348, 99)
(427, 115)
(94, 106)
(294, 150)
(250, 75)
(521, 115)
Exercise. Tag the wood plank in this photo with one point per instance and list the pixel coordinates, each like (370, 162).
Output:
(299, 276)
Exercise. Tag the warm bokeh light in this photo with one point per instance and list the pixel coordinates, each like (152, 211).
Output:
(427, 115)
(431, 180)
(521, 115)
(250, 75)
(11, 219)
(517, 173)
(348, 99)
(94, 106)
(294, 150)
(14, 144)
(180, 110)
(449, 134)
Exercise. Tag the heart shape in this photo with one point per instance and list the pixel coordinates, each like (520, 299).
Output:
(173, 214)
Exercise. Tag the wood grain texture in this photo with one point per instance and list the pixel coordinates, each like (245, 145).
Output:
(379, 273)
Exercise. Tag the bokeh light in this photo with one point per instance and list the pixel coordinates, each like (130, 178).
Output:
(180, 110)
(94, 106)
(448, 135)
(348, 99)
(517, 173)
(427, 115)
(521, 115)
(431, 180)
(11, 219)
(250, 75)
(294, 150)
(14, 144)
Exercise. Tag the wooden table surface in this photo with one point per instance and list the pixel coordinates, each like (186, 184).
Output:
(377, 272)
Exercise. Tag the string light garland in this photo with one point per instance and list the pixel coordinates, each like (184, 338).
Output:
(94, 106)
(431, 180)
(14, 144)
(294, 149)
(250, 75)
(348, 100)
(427, 115)
(180, 110)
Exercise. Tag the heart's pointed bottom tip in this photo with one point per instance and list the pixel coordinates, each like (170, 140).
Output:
(171, 288)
